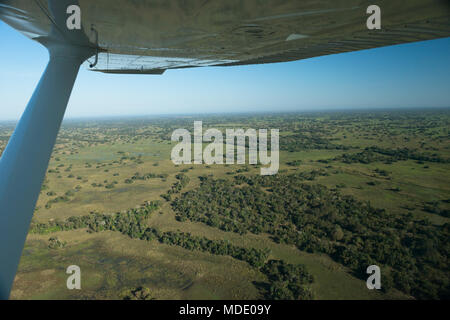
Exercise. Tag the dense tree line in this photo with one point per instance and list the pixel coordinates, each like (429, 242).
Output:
(308, 141)
(254, 257)
(377, 154)
(286, 281)
(414, 253)
(132, 223)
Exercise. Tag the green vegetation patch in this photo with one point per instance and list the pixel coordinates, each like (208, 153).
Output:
(320, 220)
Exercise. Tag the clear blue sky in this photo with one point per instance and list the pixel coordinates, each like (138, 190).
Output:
(411, 75)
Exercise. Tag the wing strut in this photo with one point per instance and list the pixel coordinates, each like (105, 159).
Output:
(24, 161)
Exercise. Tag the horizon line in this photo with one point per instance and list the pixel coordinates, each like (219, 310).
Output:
(263, 112)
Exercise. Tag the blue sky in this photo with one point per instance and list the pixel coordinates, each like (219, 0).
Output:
(411, 75)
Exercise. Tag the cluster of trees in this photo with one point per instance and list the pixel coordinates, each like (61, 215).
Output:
(55, 243)
(63, 198)
(287, 281)
(139, 293)
(294, 163)
(381, 172)
(435, 207)
(254, 257)
(49, 203)
(131, 222)
(377, 154)
(301, 141)
(220, 204)
(97, 185)
(106, 184)
(268, 181)
(182, 182)
(414, 253)
(146, 176)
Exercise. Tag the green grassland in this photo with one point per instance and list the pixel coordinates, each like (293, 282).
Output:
(92, 169)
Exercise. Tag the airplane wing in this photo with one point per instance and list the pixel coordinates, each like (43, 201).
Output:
(151, 36)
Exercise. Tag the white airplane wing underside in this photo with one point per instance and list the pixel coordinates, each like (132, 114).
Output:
(151, 36)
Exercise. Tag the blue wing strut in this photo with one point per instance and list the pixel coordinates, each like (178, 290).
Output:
(24, 161)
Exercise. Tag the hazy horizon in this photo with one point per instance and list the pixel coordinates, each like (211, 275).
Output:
(242, 113)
